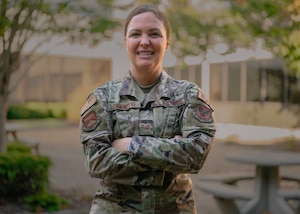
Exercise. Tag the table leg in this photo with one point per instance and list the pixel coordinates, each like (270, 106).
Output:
(276, 203)
(267, 182)
(13, 134)
(259, 202)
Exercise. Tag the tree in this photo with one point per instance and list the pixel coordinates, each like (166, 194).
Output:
(196, 26)
(21, 20)
(277, 22)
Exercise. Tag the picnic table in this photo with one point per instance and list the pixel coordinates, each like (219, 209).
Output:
(267, 195)
(13, 129)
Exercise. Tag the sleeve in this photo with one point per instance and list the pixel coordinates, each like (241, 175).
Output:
(101, 159)
(186, 154)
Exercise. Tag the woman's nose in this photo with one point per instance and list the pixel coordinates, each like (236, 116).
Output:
(145, 41)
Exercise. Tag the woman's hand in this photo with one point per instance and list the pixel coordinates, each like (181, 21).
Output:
(122, 144)
(177, 136)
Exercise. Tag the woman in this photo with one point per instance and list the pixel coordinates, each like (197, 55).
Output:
(143, 134)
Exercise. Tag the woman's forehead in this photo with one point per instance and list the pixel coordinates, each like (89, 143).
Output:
(144, 20)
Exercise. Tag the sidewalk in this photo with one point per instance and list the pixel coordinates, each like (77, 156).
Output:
(68, 172)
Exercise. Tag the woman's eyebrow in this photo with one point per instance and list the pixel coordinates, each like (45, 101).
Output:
(154, 29)
(150, 30)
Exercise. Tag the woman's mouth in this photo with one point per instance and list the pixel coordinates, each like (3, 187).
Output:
(145, 53)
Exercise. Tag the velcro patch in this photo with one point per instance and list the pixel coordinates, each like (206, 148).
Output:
(90, 121)
(203, 114)
(90, 101)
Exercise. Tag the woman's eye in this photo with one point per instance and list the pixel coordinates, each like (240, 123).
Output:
(155, 35)
(134, 34)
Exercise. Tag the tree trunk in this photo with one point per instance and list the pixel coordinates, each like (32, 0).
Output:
(3, 99)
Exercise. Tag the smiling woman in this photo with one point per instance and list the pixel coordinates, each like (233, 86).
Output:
(147, 39)
(143, 134)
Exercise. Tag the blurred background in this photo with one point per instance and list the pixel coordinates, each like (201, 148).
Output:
(244, 54)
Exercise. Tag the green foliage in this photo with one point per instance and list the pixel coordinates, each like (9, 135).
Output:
(24, 179)
(22, 174)
(18, 147)
(22, 112)
(35, 112)
(276, 22)
(44, 201)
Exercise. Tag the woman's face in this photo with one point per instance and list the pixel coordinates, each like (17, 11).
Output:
(146, 43)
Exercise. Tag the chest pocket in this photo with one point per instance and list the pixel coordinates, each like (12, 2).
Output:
(125, 118)
(166, 116)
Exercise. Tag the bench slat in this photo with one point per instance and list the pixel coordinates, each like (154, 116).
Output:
(233, 177)
(228, 178)
(222, 190)
(290, 193)
(291, 177)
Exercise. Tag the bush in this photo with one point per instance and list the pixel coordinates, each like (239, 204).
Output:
(36, 111)
(22, 174)
(24, 179)
(22, 112)
(18, 147)
(44, 201)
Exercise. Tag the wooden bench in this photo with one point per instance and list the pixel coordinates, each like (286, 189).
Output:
(11, 133)
(33, 144)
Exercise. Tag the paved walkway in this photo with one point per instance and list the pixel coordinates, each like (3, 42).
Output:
(68, 173)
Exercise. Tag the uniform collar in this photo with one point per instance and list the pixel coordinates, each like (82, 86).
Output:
(161, 89)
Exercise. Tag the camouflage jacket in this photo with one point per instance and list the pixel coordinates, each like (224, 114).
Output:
(153, 178)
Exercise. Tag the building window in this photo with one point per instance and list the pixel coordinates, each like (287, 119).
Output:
(216, 74)
(198, 74)
(33, 87)
(294, 89)
(275, 83)
(234, 81)
(253, 80)
(185, 73)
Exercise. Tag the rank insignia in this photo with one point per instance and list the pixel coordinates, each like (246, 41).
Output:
(90, 121)
(203, 113)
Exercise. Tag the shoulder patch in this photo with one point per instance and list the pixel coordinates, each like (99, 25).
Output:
(203, 114)
(90, 121)
(90, 102)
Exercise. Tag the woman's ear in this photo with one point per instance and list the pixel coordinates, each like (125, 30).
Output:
(168, 43)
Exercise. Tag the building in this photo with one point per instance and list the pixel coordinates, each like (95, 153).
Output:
(252, 92)
(54, 77)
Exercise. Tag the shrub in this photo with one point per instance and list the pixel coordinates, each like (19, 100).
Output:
(18, 147)
(24, 179)
(22, 112)
(44, 201)
(36, 111)
(22, 174)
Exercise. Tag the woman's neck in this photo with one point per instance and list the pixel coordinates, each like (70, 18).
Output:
(145, 78)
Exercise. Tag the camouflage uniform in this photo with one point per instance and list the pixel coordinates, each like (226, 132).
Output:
(153, 178)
